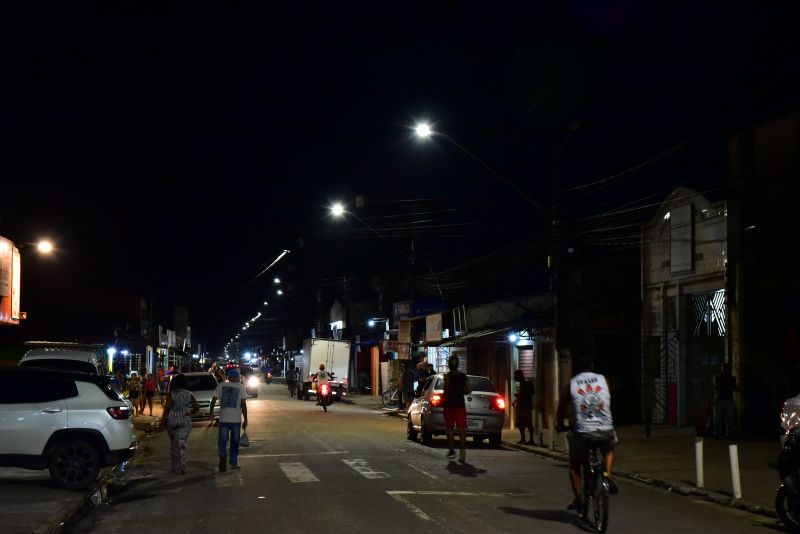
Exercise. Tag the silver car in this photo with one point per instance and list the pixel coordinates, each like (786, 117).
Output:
(486, 411)
(202, 385)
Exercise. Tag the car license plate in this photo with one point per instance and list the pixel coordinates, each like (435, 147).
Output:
(474, 424)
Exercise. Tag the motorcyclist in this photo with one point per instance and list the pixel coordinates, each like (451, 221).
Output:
(322, 377)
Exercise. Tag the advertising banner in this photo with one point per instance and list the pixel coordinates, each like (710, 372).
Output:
(5, 267)
(404, 332)
(16, 278)
(433, 327)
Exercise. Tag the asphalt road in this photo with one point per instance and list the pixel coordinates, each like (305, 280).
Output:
(352, 470)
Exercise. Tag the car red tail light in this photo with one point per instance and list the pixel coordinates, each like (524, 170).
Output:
(498, 403)
(119, 412)
(436, 400)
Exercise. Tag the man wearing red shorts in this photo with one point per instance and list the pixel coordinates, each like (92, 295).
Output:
(456, 385)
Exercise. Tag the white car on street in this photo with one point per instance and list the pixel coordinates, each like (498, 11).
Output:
(70, 423)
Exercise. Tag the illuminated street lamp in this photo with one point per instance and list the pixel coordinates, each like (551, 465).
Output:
(277, 280)
(279, 292)
(337, 209)
(44, 247)
(423, 130)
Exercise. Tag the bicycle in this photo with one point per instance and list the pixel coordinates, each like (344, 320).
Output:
(391, 397)
(596, 489)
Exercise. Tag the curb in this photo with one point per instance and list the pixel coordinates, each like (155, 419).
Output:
(680, 489)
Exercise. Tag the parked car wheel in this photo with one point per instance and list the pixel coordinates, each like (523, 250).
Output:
(427, 437)
(410, 432)
(495, 440)
(74, 464)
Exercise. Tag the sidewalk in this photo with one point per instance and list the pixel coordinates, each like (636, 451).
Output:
(667, 459)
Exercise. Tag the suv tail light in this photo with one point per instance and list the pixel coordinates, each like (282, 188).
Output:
(436, 400)
(498, 403)
(119, 412)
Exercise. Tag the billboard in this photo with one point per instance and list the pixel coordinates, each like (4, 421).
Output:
(10, 280)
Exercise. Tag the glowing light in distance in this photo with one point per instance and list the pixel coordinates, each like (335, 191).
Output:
(423, 130)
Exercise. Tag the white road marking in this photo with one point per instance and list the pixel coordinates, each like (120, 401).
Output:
(363, 469)
(278, 455)
(297, 472)
(411, 507)
(419, 469)
(459, 493)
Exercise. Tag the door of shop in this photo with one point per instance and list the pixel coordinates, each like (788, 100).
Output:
(705, 351)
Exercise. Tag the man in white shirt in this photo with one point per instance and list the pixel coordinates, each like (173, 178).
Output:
(233, 407)
(322, 377)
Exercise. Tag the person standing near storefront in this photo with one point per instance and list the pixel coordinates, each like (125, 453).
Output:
(724, 405)
(523, 403)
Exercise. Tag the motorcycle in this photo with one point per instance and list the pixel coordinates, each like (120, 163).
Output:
(268, 377)
(324, 395)
(787, 500)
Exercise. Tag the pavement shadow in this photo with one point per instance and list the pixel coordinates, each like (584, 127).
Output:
(464, 470)
(555, 516)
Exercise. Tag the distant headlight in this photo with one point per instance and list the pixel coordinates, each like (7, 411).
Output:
(252, 382)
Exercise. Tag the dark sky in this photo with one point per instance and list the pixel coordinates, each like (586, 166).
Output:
(170, 153)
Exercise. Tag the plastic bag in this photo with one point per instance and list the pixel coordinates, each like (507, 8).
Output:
(244, 440)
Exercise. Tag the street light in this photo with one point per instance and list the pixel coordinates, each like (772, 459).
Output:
(337, 209)
(279, 292)
(277, 280)
(423, 130)
(44, 247)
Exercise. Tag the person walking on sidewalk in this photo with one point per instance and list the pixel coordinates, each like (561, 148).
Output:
(291, 380)
(588, 395)
(456, 385)
(724, 405)
(149, 391)
(177, 419)
(134, 390)
(524, 405)
(232, 397)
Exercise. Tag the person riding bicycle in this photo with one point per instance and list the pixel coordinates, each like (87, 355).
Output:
(590, 398)
(322, 377)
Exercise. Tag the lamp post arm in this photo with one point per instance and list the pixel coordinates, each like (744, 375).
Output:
(492, 171)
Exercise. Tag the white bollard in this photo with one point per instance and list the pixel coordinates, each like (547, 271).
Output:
(552, 439)
(540, 427)
(698, 462)
(735, 480)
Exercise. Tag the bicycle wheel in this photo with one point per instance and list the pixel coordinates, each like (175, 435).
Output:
(389, 398)
(600, 503)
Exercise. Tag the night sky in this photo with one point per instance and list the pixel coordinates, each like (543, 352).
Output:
(172, 153)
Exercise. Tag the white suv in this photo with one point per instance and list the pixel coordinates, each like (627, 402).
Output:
(71, 423)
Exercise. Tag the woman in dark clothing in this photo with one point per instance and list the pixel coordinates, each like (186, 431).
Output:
(524, 405)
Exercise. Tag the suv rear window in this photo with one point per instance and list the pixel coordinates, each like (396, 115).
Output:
(33, 390)
(62, 364)
(201, 383)
(476, 383)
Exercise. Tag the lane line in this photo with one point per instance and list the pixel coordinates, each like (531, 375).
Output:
(321, 442)
(297, 472)
(420, 470)
(459, 493)
(281, 455)
(411, 507)
(362, 468)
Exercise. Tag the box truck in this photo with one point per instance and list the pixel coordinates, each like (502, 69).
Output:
(335, 354)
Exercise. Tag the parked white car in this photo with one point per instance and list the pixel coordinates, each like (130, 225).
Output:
(70, 423)
(65, 356)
